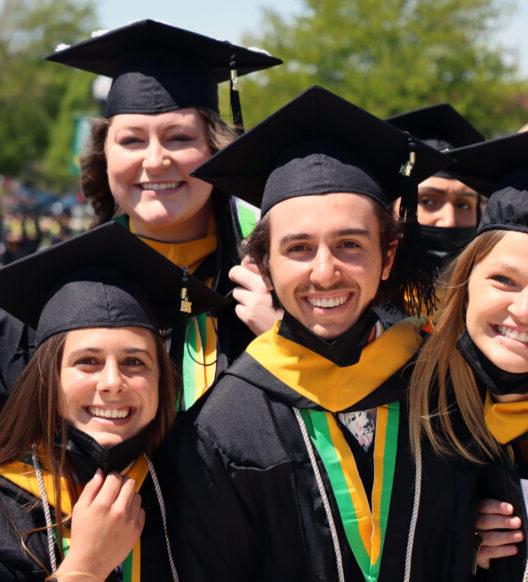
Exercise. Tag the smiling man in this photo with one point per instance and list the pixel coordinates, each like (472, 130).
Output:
(297, 466)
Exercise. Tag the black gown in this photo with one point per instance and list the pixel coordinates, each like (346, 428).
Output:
(20, 511)
(246, 505)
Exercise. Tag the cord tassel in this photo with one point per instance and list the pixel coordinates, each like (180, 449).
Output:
(236, 108)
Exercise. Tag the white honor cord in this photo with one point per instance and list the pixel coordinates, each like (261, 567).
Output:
(163, 512)
(47, 512)
(414, 515)
(322, 493)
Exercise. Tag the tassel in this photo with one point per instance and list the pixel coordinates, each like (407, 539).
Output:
(236, 108)
(411, 264)
(186, 304)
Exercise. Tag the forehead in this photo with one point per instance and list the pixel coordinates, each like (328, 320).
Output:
(103, 338)
(511, 252)
(322, 214)
(184, 117)
(445, 185)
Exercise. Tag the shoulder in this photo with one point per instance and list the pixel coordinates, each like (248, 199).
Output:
(240, 422)
(20, 518)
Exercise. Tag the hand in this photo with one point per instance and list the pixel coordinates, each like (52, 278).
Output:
(107, 520)
(497, 515)
(255, 306)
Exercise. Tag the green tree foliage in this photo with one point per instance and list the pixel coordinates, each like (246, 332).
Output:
(32, 91)
(390, 56)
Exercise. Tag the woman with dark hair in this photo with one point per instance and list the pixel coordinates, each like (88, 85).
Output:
(161, 121)
(81, 434)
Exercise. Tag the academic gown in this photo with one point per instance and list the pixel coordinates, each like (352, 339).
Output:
(247, 507)
(21, 512)
(502, 481)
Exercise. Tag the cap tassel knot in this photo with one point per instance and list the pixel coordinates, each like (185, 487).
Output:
(236, 108)
(186, 304)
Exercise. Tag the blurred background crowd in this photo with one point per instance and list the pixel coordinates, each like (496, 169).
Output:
(387, 56)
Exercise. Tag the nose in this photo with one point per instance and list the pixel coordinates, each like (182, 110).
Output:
(110, 379)
(325, 270)
(155, 157)
(519, 306)
(446, 216)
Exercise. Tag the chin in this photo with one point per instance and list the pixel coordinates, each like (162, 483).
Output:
(507, 360)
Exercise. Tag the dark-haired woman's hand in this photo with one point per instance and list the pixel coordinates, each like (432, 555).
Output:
(107, 520)
(255, 306)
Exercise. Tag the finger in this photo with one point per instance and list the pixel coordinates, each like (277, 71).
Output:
(256, 297)
(246, 278)
(491, 522)
(500, 538)
(126, 495)
(92, 488)
(110, 489)
(250, 264)
(141, 520)
(486, 554)
(495, 506)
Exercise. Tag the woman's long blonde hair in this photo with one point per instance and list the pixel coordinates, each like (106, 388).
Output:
(440, 369)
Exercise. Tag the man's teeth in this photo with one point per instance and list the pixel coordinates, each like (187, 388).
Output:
(160, 185)
(108, 413)
(516, 335)
(327, 302)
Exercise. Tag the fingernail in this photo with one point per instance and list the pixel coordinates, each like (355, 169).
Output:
(515, 522)
(518, 536)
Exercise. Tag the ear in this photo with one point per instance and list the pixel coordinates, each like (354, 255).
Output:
(389, 261)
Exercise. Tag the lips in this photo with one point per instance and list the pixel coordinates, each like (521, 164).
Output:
(160, 186)
(110, 413)
(509, 332)
(327, 302)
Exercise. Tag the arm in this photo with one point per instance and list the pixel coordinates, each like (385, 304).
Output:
(215, 528)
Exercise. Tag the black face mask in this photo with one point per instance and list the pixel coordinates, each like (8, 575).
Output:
(488, 375)
(345, 350)
(87, 455)
(443, 244)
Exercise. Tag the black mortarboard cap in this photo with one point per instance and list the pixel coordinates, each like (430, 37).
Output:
(494, 164)
(441, 126)
(106, 277)
(507, 209)
(320, 143)
(157, 67)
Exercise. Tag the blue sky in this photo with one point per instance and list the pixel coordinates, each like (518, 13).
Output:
(230, 19)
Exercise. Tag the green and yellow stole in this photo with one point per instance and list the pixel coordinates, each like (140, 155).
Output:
(199, 349)
(336, 389)
(22, 474)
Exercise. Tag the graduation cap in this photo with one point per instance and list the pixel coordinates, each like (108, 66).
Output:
(441, 126)
(320, 143)
(106, 277)
(494, 164)
(157, 67)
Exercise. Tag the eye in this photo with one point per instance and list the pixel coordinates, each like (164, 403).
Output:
(503, 280)
(129, 141)
(180, 137)
(349, 244)
(428, 202)
(464, 206)
(133, 362)
(297, 248)
(87, 362)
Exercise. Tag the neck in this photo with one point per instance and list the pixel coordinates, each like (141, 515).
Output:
(194, 228)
